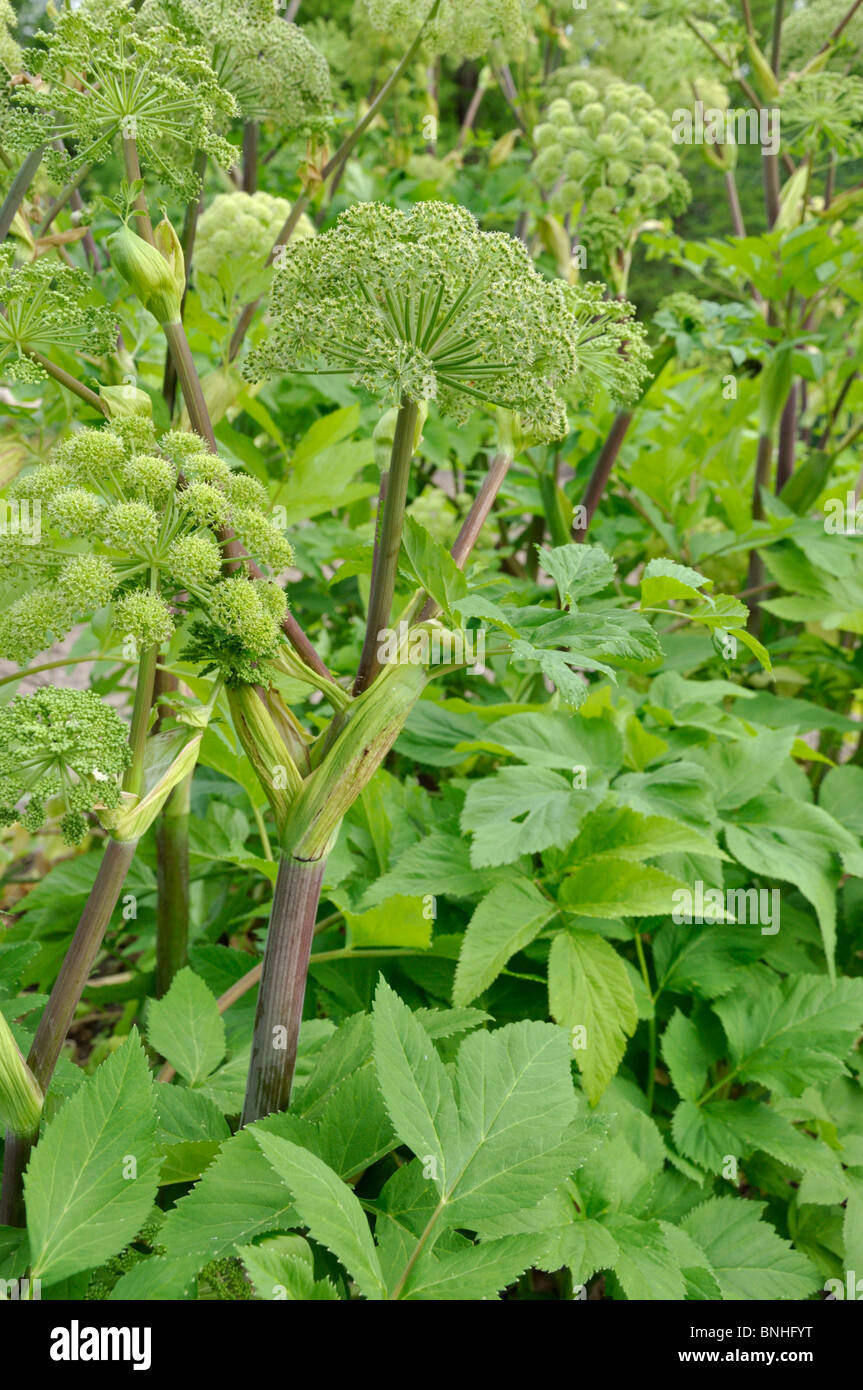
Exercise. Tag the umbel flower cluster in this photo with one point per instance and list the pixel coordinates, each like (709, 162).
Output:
(46, 307)
(610, 159)
(268, 65)
(236, 235)
(461, 28)
(60, 743)
(423, 305)
(136, 525)
(103, 75)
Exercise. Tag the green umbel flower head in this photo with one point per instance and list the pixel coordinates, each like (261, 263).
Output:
(460, 29)
(609, 156)
(45, 307)
(60, 743)
(424, 305)
(125, 521)
(236, 235)
(269, 66)
(106, 75)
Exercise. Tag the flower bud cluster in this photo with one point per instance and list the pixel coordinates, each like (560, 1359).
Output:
(236, 235)
(610, 156)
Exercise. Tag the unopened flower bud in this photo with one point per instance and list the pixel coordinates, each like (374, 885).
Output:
(148, 273)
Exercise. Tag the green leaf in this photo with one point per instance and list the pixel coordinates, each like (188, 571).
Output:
(282, 1269)
(589, 988)
(507, 1133)
(618, 832)
(749, 1259)
(777, 836)
(506, 921)
(438, 864)
(577, 570)
(329, 1209)
(91, 1181)
(645, 1267)
(788, 1035)
(711, 1133)
(617, 888)
(238, 1198)
(186, 1027)
(475, 1272)
(664, 580)
(554, 739)
(841, 796)
(431, 566)
(686, 1056)
(398, 921)
(523, 810)
(416, 1087)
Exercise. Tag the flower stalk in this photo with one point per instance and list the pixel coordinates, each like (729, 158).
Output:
(388, 543)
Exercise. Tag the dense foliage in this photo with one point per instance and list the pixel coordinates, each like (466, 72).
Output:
(431, 771)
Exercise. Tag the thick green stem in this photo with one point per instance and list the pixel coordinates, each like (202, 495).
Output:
(141, 709)
(17, 189)
(389, 544)
(60, 1009)
(133, 174)
(283, 986)
(190, 384)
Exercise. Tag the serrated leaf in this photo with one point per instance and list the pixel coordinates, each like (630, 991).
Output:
(431, 566)
(283, 1271)
(589, 988)
(577, 570)
(789, 1035)
(91, 1181)
(506, 921)
(523, 810)
(185, 1026)
(750, 1261)
(329, 1209)
(618, 888)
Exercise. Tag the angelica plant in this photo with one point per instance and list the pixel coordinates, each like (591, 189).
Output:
(418, 307)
